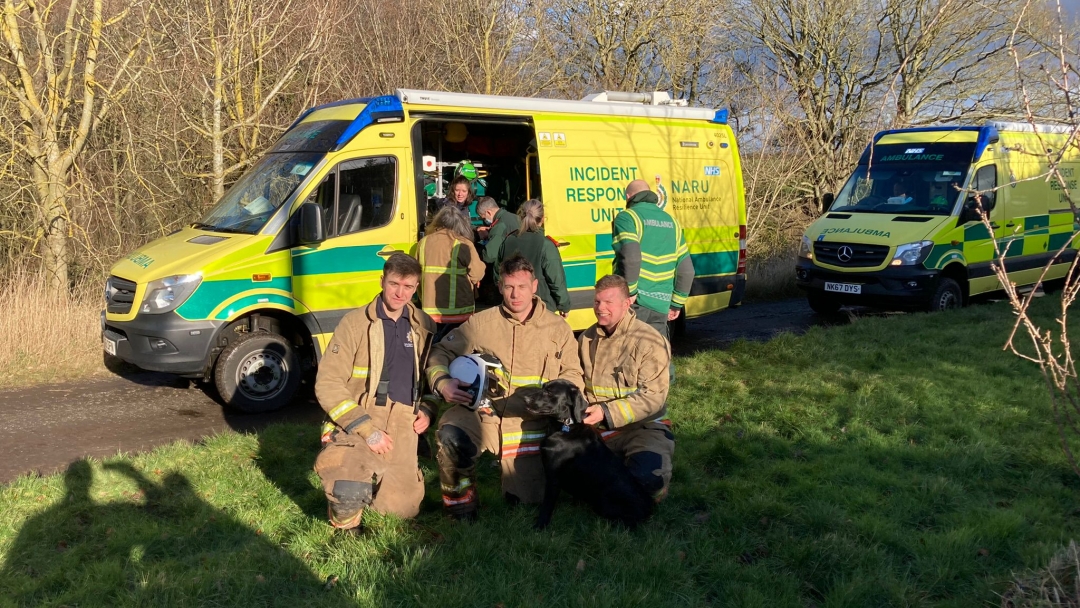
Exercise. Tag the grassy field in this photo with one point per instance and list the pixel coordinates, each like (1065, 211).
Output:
(895, 461)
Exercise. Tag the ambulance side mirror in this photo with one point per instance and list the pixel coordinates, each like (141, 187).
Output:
(310, 224)
(827, 200)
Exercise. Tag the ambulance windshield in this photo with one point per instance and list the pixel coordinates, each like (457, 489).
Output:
(909, 179)
(915, 189)
(249, 203)
(253, 199)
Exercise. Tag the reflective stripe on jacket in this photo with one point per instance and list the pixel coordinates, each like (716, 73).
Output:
(626, 372)
(451, 268)
(350, 369)
(651, 254)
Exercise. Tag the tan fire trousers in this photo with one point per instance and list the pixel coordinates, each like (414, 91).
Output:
(354, 477)
(647, 451)
(463, 435)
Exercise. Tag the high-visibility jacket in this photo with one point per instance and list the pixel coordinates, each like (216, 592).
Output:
(651, 254)
(451, 269)
(351, 368)
(626, 373)
(532, 352)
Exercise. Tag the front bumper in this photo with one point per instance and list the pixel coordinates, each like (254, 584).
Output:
(163, 343)
(899, 286)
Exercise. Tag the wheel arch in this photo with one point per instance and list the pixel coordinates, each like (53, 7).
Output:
(272, 320)
(957, 271)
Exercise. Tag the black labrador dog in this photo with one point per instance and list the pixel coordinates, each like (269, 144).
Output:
(577, 460)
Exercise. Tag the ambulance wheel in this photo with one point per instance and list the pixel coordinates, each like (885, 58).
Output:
(947, 296)
(260, 372)
(822, 304)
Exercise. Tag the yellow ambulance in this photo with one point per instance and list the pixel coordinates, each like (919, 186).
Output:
(251, 293)
(905, 232)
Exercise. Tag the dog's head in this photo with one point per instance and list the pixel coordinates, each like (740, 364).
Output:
(558, 399)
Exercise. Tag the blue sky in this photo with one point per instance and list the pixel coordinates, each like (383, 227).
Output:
(1072, 7)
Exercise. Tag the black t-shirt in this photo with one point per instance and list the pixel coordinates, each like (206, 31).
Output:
(399, 364)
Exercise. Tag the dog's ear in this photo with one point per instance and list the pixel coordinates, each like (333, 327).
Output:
(579, 406)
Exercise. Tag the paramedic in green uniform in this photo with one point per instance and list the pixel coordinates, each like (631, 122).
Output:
(651, 254)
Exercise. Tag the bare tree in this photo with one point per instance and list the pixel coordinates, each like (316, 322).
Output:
(951, 57)
(228, 65)
(1049, 348)
(63, 68)
(829, 56)
(632, 45)
(487, 46)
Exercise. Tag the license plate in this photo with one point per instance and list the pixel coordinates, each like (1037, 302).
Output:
(843, 287)
(110, 347)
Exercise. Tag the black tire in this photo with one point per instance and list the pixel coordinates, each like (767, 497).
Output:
(822, 304)
(947, 296)
(260, 372)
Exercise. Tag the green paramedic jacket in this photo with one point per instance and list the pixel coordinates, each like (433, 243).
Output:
(504, 224)
(651, 254)
(542, 252)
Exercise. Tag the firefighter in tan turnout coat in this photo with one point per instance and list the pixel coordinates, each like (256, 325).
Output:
(534, 346)
(625, 362)
(368, 383)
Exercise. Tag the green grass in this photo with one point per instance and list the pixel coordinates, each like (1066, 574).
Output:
(898, 461)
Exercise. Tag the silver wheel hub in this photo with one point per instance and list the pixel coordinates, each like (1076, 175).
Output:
(261, 375)
(947, 300)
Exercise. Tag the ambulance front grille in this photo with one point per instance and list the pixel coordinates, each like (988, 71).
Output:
(119, 295)
(854, 255)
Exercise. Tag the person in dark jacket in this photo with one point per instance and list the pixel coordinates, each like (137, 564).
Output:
(530, 242)
(499, 223)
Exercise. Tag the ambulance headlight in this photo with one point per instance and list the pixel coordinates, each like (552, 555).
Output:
(910, 254)
(166, 294)
(806, 250)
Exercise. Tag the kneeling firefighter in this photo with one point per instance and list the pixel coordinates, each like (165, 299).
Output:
(533, 346)
(625, 362)
(369, 384)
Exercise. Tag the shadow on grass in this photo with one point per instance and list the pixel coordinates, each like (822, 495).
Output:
(286, 458)
(172, 549)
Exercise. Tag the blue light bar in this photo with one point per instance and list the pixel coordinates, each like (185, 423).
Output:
(721, 117)
(387, 108)
(987, 135)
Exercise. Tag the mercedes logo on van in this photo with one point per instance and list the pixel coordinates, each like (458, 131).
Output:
(845, 253)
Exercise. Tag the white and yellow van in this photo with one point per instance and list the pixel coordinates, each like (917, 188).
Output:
(250, 294)
(905, 232)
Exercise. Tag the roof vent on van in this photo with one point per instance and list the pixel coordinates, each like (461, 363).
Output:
(207, 239)
(655, 98)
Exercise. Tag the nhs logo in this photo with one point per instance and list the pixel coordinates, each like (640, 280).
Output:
(914, 151)
(712, 170)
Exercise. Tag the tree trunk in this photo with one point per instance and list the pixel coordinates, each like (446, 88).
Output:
(55, 251)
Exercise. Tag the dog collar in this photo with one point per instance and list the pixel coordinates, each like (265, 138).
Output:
(566, 425)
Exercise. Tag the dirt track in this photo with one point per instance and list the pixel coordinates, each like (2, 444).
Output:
(46, 427)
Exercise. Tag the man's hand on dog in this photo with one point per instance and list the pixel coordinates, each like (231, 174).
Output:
(451, 391)
(421, 423)
(594, 414)
(380, 442)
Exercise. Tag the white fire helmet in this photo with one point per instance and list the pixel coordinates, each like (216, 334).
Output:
(478, 373)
